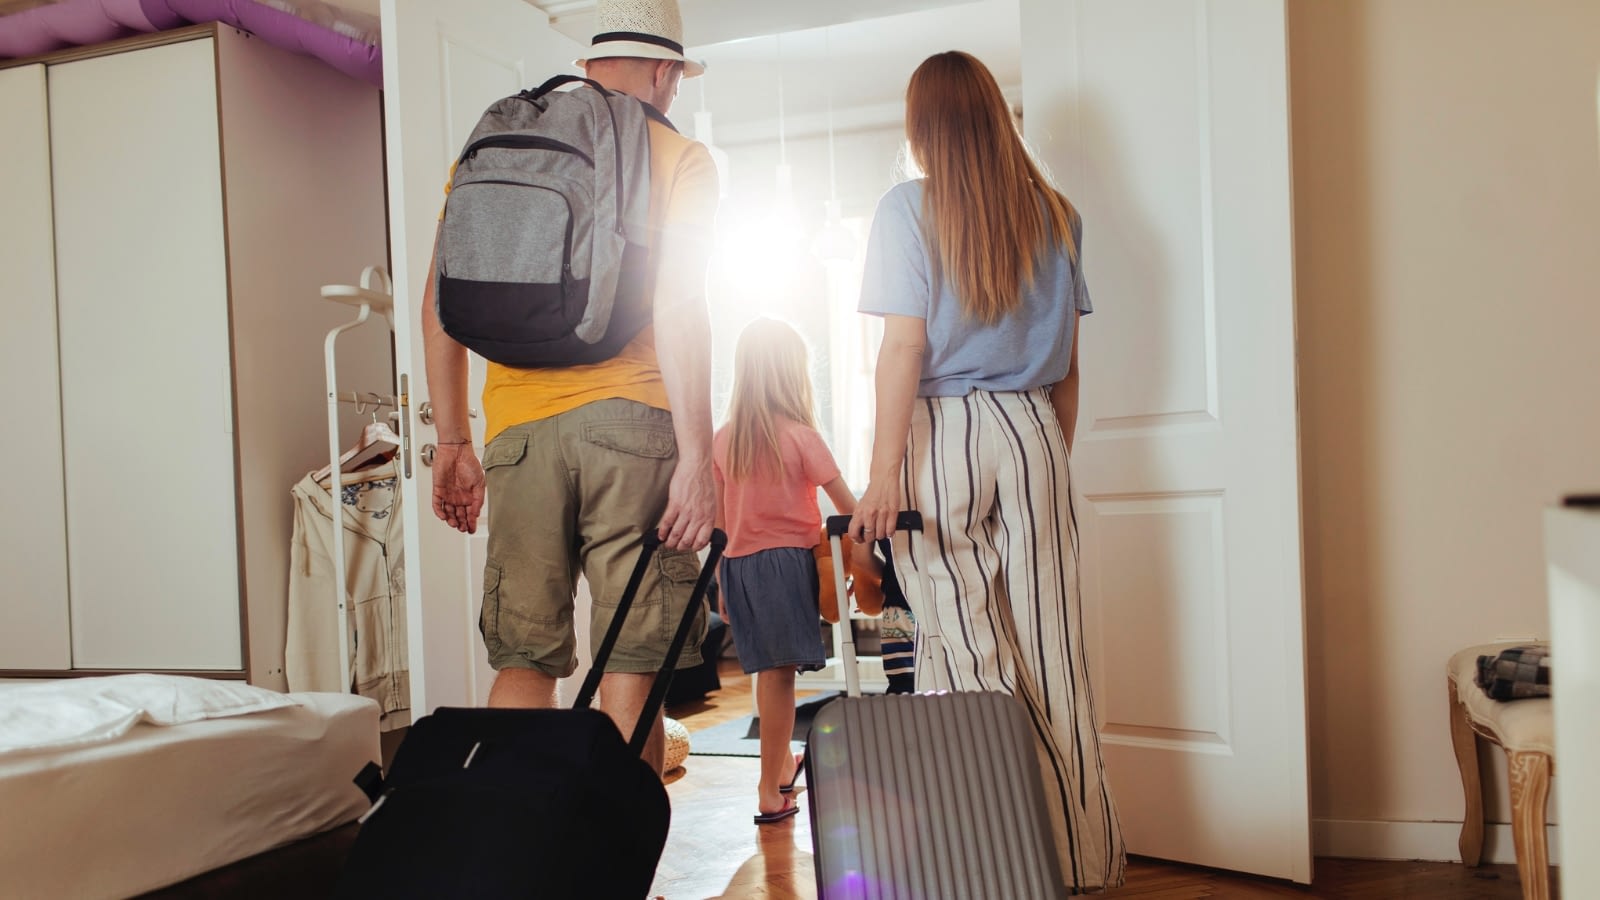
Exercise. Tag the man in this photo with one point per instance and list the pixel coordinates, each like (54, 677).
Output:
(578, 461)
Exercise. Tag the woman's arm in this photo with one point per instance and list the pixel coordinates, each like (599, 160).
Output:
(905, 338)
(1064, 393)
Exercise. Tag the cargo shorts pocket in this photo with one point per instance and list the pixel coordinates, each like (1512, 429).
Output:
(506, 450)
(635, 437)
(679, 572)
(489, 615)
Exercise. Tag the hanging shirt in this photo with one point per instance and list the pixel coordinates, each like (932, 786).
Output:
(375, 593)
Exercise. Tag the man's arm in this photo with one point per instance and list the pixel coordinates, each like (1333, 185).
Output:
(1064, 393)
(683, 349)
(457, 474)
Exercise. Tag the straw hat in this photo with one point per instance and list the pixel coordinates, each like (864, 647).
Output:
(647, 29)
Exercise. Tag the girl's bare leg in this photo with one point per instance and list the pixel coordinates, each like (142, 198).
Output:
(775, 706)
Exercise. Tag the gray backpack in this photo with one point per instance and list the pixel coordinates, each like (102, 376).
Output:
(542, 251)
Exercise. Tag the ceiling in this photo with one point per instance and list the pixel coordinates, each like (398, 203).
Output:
(862, 50)
(864, 64)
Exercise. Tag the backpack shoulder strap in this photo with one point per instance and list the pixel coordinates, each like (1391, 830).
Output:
(560, 80)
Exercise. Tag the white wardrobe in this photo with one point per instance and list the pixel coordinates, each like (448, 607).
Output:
(173, 204)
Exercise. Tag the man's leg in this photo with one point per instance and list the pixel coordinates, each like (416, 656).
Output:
(531, 569)
(523, 689)
(622, 696)
(625, 453)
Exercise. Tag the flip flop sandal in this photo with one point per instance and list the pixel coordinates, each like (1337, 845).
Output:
(799, 769)
(788, 811)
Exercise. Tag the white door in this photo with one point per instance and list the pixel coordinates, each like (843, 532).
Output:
(34, 625)
(443, 64)
(1166, 122)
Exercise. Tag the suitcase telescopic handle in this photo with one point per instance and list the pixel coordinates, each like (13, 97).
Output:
(905, 520)
(658, 689)
(838, 526)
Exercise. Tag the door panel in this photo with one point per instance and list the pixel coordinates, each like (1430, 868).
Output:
(443, 65)
(1166, 123)
(34, 629)
(147, 381)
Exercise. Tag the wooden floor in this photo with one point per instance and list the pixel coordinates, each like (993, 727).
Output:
(714, 850)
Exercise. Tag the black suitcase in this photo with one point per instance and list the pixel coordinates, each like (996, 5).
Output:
(490, 803)
(926, 796)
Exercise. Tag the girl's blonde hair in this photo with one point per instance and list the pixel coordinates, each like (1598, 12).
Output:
(990, 211)
(772, 378)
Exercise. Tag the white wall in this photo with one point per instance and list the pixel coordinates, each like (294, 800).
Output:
(1447, 214)
(766, 265)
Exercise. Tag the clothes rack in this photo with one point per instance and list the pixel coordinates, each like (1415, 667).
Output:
(376, 292)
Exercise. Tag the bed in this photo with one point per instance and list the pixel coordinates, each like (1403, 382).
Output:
(107, 807)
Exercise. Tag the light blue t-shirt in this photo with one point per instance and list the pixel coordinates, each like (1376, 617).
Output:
(1029, 348)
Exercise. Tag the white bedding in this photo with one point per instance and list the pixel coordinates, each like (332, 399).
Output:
(164, 803)
(50, 715)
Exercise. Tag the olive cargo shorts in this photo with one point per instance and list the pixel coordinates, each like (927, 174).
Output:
(574, 494)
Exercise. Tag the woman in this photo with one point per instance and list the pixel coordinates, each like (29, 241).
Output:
(975, 271)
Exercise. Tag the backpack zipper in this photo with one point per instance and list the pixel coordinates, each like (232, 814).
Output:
(524, 142)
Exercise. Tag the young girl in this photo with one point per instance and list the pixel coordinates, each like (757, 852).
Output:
(769, 462)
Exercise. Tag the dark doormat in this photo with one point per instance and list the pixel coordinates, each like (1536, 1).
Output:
(742, 737)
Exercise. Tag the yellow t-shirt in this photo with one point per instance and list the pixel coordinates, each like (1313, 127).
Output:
(683, 203)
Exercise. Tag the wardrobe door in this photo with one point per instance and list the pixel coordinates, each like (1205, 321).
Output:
(146, 376)
(33, 536)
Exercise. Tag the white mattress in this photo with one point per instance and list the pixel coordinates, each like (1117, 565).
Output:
(162, 804)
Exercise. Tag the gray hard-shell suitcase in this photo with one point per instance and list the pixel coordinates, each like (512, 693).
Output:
(927, 795)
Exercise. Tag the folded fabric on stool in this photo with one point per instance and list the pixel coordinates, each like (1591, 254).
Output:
(1516, 673)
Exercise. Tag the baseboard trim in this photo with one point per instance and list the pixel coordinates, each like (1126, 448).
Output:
(1432, 841)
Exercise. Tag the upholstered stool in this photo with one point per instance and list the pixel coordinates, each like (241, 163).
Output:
(1524, 729)
(677, 749)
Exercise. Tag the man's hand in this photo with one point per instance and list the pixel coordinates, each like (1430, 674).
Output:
(691, 507)
(457, 487)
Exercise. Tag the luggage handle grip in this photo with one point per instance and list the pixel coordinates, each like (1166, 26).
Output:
(905, 520)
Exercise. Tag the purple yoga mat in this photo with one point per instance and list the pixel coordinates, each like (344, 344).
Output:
(73, 23)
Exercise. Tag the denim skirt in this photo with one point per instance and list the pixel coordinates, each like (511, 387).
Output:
(771, 597)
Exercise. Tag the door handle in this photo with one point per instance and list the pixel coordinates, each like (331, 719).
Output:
(425, 413)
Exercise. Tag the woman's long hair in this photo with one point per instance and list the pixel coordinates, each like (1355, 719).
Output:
(771, 378)
(989, 208)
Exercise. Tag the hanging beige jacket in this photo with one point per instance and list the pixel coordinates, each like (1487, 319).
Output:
(375, 593)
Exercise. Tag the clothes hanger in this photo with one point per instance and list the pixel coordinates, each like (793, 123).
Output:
(377, 441)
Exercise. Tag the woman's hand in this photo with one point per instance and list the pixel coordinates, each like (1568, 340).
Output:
(864, 562)
(876, 511)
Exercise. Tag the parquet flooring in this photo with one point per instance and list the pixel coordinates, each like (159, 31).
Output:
(715, 851)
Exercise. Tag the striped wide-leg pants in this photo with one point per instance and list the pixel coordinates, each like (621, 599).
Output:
(989, 472)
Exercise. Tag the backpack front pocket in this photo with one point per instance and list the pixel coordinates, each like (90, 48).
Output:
(510, 246)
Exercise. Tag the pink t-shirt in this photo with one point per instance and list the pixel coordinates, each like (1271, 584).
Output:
(764, 512)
